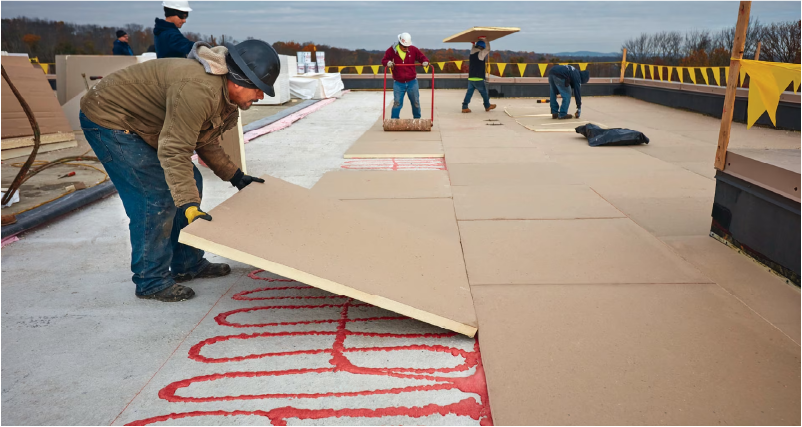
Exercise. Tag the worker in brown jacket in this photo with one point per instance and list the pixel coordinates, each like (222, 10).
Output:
(145, 121)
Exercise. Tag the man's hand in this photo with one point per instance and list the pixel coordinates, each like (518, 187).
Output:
(425, 64)
(578, 112)
(390, 64)
(192, 212)
(240, 180)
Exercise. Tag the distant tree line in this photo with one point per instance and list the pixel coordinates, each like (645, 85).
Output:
(45, 39)
(780, 42)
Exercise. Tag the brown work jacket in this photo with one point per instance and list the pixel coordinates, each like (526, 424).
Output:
(177, 108)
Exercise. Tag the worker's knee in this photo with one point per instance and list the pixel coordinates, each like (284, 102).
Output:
(396, 104)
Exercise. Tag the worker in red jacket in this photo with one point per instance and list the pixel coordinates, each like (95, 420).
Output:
(406, 78)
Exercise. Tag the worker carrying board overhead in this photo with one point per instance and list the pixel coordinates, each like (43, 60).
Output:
(476, 74)
(405, 78)
(562, 79)
(144, 122)
(169, 41)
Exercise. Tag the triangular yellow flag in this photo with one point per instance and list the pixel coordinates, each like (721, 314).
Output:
(704, 75)
(726, 74)
(340, 68)
(359, 68)
(440, 64)
(767, 81)
(501, 68)
(717, 75)
(426, 69)
(542, 68)
(692, 74)
(642, 71)
(660, 72)
(679, 74)
(459, 65)
(375, 69)
(670, 71)
(582, 66)
(521, 69)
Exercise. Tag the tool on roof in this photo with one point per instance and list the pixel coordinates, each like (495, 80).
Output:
(69, 174)
(405, 124)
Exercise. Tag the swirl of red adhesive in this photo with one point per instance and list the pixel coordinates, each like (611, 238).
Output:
(242, 296)
(222, 318)
(474, 383)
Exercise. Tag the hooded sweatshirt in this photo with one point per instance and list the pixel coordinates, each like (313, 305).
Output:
(573, 78)
(404, 74)
(122, 48)
(170, 43)
(177, 106)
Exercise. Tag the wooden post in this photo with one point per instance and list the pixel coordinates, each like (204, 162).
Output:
(732, 84)
(624, 66)
(757, 52)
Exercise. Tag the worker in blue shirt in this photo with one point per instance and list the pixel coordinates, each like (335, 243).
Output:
(562, 79)
(121, 46)
(170, 43)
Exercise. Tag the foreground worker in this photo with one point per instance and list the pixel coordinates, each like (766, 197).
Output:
(143, 123)
(121, 46)
(405, 77)
(168, 40)
(476, 74)
(562, 79)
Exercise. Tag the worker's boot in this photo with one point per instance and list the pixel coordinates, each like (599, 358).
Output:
(491, 107)
(466, 110)
(211, 270)
(566, 117)
(554, 116)
(174, 293)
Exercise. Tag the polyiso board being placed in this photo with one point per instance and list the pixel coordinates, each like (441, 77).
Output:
(328, 244)
(473, 34)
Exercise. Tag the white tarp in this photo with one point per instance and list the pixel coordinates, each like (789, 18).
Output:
(316, 86)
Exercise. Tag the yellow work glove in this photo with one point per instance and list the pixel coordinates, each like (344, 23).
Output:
(192, 212)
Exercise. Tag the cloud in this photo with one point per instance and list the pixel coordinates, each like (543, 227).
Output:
(545, 26)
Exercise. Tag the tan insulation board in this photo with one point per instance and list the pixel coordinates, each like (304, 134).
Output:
(659, 184)
(543, 111)
(495, 155)
(668, 216)
(569, 251)
(641, 354)
(530, 202)
(473, 34)
(27, 141)
(384, 185)
(233, 144)
(394, 149)
(434, 216)
(511, 174)
(763, 291)
(32, 84)
(70, 82)
(43, 148)
(325, 243)
(485, 140)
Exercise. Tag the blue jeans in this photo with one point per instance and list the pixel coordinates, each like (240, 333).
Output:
(557, 84)
(476, 85)
(154, 224)
(411, 89)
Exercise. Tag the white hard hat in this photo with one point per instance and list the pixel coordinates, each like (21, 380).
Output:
(405, 39)
(183, 6)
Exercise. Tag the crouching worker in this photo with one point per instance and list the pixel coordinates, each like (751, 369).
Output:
(144, 122)
(476, 74)
(405, 77)
(563, 78)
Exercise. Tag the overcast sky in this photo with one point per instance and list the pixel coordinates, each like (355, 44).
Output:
(545, 26)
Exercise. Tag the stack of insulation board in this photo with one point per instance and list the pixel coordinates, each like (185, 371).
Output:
(17, 134)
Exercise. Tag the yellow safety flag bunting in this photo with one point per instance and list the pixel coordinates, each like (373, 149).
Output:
(440, 64)
(375, 69)
(542, 68)
(459, 65)
(717, 75)
(501, 68)
(359, 68)
(767, 81)
(680, 74)
(583, 65)
(521, 69)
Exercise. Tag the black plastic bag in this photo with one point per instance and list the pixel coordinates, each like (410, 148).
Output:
(597, 136)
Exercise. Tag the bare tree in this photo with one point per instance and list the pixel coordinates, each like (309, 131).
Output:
(780, 42)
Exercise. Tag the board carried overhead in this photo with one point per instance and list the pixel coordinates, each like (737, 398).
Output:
(329, 244)
(473, 34)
